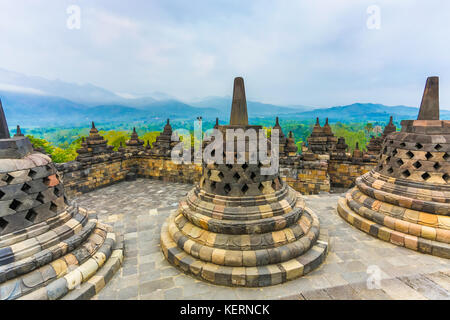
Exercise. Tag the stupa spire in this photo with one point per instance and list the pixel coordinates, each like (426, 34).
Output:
(429, 108)
(4, 132)
(18, 132)
(239, 114)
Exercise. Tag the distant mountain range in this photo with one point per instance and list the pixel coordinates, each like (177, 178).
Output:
(358, 112)
(35, 101)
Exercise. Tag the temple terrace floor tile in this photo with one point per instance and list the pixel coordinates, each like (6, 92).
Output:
(357, 266)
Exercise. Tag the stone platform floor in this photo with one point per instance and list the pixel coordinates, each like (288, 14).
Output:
(354, 263)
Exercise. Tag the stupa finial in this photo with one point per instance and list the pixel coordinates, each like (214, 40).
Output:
(239, 114)
(18, 132)
(429, 107)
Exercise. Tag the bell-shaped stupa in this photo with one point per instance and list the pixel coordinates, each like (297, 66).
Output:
(239, 227)
(49, 248)
(406, 199)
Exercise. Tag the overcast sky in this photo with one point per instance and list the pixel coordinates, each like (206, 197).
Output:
(316, 53)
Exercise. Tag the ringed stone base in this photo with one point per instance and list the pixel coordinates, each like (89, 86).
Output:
(250, 268)
(409, 228)
(71, 256)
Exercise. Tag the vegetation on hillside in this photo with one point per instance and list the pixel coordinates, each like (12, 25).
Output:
(62, 143)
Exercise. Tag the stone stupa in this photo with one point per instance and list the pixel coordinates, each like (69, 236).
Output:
(406, 199)
(238, 227)
(49, 248)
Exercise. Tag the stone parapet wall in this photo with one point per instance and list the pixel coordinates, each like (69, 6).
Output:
(309, 177)
(82, 177)
(166, 170)
(343, 174)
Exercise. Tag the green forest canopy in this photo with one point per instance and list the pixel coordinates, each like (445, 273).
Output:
(62, 143)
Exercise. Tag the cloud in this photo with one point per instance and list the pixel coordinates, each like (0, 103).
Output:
(14, 88)
(318, 53)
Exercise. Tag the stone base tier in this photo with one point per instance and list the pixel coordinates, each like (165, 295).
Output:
(244, 260)
(404, 215)
(70, 256)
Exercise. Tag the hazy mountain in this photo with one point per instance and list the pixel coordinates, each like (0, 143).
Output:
(37, 110)
(35, 101)
(254, 108)
(85, 93)
(358, 112)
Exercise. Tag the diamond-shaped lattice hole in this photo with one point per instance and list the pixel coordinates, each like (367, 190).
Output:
(252, 176)
(438, 147)
(244, 188)
(40, 197)
(388, 158)
(406, 173)
(244, 166)
(53, 207)
(446, 177)
(274, 185)
(437, 166)
(220, 175)
(426, 176)
(1, 194)
(390, 170)
(209, 173)
(57, 192)
(236, 176)
(410, 154)
(261, 187)
(25, 187)
(46, 181)
(402, 144)
(417, 164)
(260, 164)
(8, 178)
(428, 155)
(213, 185)
(227, 188)
(15, 204)
(229, 166)
(419, 145)
(446, 156)
(384, 150)
(400, 162)
(31, 215)
(394, 153)
(391, 141)
(32, 173)
(213, 153)
(380, 167)
(3, 224)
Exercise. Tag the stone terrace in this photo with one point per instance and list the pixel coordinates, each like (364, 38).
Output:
(138, 209)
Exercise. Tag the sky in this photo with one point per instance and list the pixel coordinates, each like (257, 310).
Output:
(315, 53)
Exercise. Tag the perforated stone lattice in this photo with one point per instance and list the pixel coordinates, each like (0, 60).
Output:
(238, 180)
(29, 196)
(418, 161)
